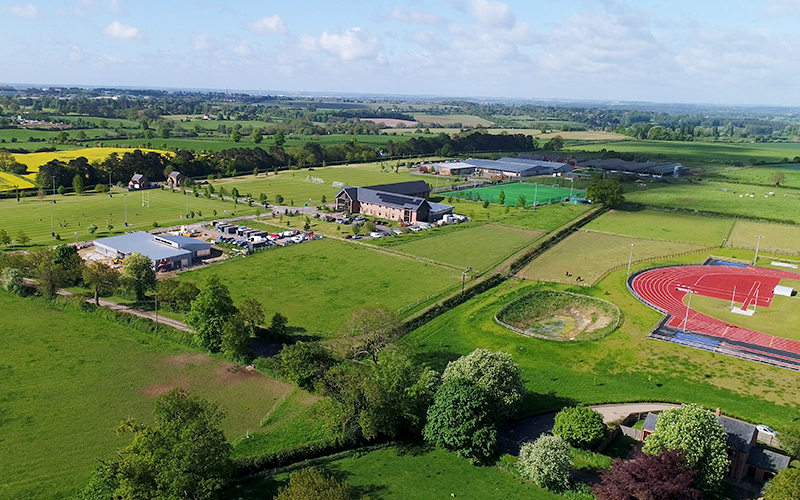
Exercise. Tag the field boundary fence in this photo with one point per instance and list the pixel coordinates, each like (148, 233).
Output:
(609, 233)
(651, 259)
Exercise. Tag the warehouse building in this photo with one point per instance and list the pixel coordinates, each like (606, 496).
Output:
(166, 252)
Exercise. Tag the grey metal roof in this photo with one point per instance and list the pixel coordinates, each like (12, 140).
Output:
(174, 174)
(145, 244)
(137, 177)
(768, 460)
(439, 207)
(740, 434)
(185, 242)
(404, 188)
(368, 195)
(650, 422)
(519, 165)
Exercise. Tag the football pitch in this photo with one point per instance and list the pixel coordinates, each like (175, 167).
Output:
(534, 194)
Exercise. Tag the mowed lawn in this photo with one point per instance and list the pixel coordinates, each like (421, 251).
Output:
(710, 197)
(534, 194)
(547, 218)
(777, 238)
(75, 214)
(317, 284)
(589, 255)
(477, 247)
(654, 225)
(68, 378)
(410, 473)
(781, 318)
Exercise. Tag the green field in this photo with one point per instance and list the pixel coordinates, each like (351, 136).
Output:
(778, 238)
(664, 226)
(589, 255)
(410, 473)
(761, 175)
(317, 284)
(69, 378)
(445, 120)
(477, 247)
(710, 197)
(547, 218)
(781, 318)
(75, 214)
(534, 194)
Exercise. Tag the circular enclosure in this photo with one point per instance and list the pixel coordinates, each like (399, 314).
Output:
(559, 316)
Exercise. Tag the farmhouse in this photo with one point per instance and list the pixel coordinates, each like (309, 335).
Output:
(138, 181)
(175, 179)
(166, 251)
(404, 201)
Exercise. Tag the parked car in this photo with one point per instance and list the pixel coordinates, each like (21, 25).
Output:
(763, 429)
(397, 232)
(375, 234)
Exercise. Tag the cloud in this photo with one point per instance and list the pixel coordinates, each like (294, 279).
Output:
(122, 31)
(348, 45)
(492, 14)
(27, 10)
(403, 15)
(204, 42)
(268, 25)
(783, 7)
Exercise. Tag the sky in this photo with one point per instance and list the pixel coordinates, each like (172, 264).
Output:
(678, 51)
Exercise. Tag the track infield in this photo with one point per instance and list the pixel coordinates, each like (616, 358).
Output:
(669, 290)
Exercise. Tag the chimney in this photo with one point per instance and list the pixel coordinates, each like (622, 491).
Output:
(719, 412)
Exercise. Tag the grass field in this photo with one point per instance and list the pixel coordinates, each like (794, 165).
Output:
(761, 174)
(445, 120)
(710, 197)
(69, 378)
(478, 247)
(781, 318)
(410, 473)
(317, 284)
(589, 255)
(778, 238)
(33, 216)
(546, 218)
(533, 193)
(664, 226)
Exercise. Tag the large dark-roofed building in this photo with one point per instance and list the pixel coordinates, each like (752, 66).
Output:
(390, 201)
(417, 189)
(517, 167)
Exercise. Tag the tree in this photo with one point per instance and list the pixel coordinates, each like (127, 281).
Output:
(236, 136)
(546, 462)
(235, 194)
(649, 477)
(790, 441)
(580, 426)
(78, 184)
(102, 278)
(184, 454)
(494, 372)
(605, 191)
(311, 483)
(324, 199)
(778, 178)
(22, 238)
(209, 312)
(305, 363)
(236, 338)
(69, 265)
(176, 295)
(5, 239)
(277, 326)
(6, 160)
(521, 201)
(278, 199)
(137, 276)
(280, 139)
(92, 229)
(373, 328)
(462, 419)
(11, 279)
(252, 313)
(501, 198)
(257, 136)
(486, 204)
(784, 486)
(697, 433)
(555, 144)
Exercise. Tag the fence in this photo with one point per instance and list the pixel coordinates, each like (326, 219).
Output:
(651, 259)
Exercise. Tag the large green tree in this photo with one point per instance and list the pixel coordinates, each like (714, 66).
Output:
(305, 363)
(494, 372)
(696, 432)
(102, 278)
(138, 276)
(236, 338)
(580, 426)
(607, 192)
(182, 455)
(372, 328)
(209, 313)
(546, 462)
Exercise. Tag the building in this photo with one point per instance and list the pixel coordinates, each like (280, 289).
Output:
(516, 167)
(138, 181)
(453, 168)
(404, 201)
(748, 459)
(175, 179)
(166, 251)
(640, 168)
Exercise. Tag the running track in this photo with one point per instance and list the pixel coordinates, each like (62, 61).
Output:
(665, 289)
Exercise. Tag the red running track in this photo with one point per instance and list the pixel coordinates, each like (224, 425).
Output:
(666, 288)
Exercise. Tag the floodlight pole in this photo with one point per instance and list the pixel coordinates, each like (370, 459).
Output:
(688, 306)
(758, 241)
(125, 197)
(572, 185)
(535, 194)
(155, 298)
(630, 258)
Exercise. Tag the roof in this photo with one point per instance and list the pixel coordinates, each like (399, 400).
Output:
(184, 242)
(368, 195)
(405, 188)
(437, 208)
(175, 173)
(145, 244)
(138, 177)
(650, 422)
(768, 460)
(519, 165)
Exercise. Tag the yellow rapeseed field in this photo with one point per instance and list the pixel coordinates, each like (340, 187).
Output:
(35, 160)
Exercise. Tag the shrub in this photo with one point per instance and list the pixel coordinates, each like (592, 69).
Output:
(11, 279)
(784, 486)
(546, 462)
(650, 477)
(580, 426)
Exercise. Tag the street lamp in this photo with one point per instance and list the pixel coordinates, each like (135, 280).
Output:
(758, 240)
(630, 258)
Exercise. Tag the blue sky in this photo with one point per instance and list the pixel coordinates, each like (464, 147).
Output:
(726, 52)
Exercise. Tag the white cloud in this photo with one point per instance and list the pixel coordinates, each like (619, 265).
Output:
(122, 31)
(350, 44)
(27, 10)
(204, 42)
(783, 7)
(268, 25)
(403, 15)
(492, 14)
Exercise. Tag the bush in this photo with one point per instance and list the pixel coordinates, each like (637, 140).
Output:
(11, 279)
(784, 486)
(311, 483)
(651, 477)
(580, 426)
(546, 462)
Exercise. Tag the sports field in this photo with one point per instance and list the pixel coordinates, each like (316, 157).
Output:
(477, 247)
(664, 226)
(546, 218)
(780, 319)
(534, 194)
(317, 284)
(589, 255)
(73, 214)
(68, 378)
(777, 238)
